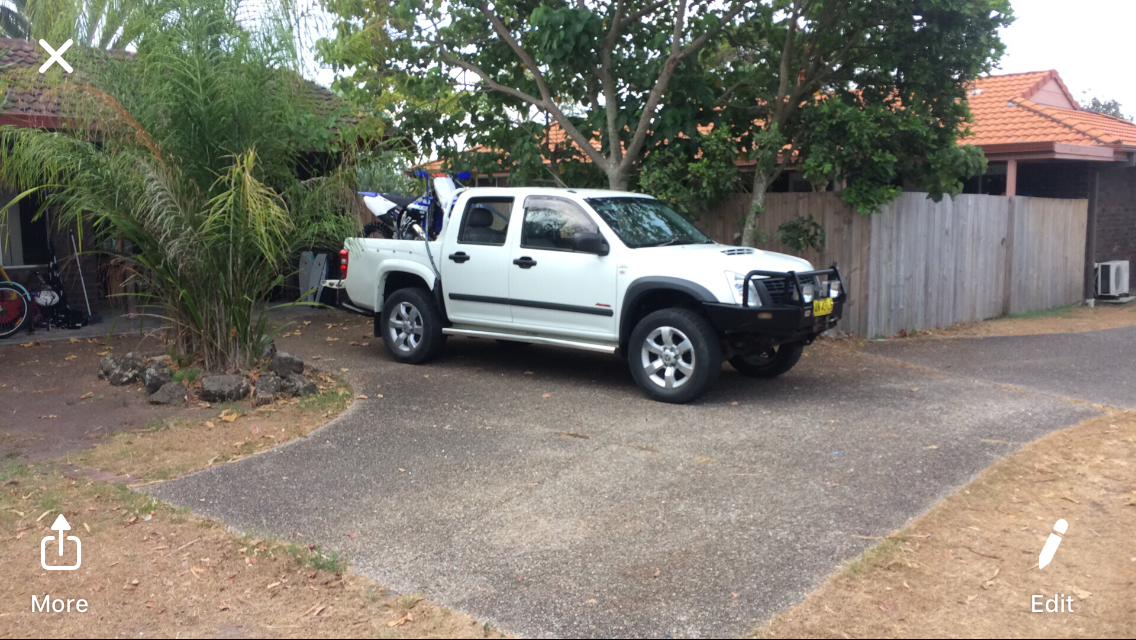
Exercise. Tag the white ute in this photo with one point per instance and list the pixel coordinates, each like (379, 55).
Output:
(605, 271)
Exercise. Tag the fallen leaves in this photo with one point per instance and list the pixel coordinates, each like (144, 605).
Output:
(89, 394)
(71, 357)
(228, 415)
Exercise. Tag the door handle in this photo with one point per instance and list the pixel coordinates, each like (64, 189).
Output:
(525, 262)
(459, 257)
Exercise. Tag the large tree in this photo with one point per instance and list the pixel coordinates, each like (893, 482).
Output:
(863, 94)
(600, 71)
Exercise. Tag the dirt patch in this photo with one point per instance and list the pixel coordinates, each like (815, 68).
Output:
(969, 567)
(55, 404)
(1059, 320)
(169, 448)
(150, 570)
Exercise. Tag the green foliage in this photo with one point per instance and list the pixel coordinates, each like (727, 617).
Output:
(1107, 107)
(480, 82)
(866, 94)
(802, 233)
(186, 375)
(693, 173)
(102, 24)
(383, 168)
(185, 157)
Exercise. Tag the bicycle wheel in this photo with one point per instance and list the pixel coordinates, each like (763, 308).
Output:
(14, 310)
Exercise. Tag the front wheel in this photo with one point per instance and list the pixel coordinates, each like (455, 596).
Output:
(769, 363)
(15, 310)
(412, 326)
(674, 355)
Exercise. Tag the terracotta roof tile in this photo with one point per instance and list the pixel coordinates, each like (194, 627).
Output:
(1005, 114)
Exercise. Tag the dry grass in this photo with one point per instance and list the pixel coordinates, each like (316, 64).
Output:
(172, 447)
(150, 570)
(1059, 320)
(969, 567)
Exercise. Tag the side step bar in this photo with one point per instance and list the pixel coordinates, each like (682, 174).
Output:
(556, 342)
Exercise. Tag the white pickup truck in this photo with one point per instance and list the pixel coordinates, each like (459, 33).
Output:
(605, 271)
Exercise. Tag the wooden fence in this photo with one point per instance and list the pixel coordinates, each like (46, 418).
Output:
(919, 264)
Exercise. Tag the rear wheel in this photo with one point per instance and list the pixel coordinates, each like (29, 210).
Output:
(412, 326)
(674, 355)
(769, 363)
(14, 310)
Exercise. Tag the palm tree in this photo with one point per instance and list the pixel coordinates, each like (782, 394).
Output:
(101, 24)
(188, 151)
(13, 19)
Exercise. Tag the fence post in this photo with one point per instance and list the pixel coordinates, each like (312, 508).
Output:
(1008, 293)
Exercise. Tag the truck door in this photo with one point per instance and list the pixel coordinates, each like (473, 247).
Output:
(475, 274)
(554, 288)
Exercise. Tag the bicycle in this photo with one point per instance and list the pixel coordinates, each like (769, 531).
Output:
(16, 308)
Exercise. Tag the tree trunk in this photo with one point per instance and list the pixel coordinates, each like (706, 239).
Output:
(617, 179)
(761, 182)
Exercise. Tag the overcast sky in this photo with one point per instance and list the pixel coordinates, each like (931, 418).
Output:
(1088, 42)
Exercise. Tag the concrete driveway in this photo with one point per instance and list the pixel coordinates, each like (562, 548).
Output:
(596, 512)
(1097, 366)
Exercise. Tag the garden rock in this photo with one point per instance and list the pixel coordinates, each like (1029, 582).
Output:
(169, 393)
(267, 386)
(156, 376)
(298, 385)
(223, 388)
(268, 350)
(285, 364)
(122, 371)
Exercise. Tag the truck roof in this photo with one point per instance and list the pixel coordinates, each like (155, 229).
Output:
(580, 193)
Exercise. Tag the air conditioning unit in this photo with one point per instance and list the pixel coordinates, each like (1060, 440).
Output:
(1112, 278)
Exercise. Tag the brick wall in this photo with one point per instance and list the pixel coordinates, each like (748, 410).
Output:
(1116, 215)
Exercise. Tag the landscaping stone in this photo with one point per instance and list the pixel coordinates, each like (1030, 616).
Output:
(156, 375)
(267, 386)
(122, 371)
(298, 385)
(285, 364)
(169, 393)
(223, 388)
(268, 350)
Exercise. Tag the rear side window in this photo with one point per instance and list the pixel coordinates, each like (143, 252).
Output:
(550, 223)
(486, 221)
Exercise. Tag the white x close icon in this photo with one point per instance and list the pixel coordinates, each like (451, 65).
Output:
(56, 56)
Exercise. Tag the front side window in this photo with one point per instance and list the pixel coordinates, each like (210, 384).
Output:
(646, 222)
(551, 223)
(486, 221)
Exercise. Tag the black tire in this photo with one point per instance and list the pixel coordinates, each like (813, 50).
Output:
(513, 345)
(653, 367)
(765, 365)
(412, 308)
(15, 311)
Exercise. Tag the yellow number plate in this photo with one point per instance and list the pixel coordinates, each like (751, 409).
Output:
(822, 307)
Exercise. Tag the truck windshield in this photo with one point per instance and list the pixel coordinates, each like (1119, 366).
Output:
(646, 222)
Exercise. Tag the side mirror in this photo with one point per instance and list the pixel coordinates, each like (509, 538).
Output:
(590, 242)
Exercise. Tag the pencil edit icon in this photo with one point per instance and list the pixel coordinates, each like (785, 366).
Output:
(1051, 544)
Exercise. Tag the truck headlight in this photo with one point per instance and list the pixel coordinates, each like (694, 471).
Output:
(807, 292)
(737, 281)
(834, 288)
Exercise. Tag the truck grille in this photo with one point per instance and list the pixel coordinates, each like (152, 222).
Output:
(778, 288)
(782, 292)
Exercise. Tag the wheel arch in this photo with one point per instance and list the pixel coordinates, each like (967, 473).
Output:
(400, 274)
(652, 293)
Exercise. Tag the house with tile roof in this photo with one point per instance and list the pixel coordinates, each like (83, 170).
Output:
(1041, 143)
